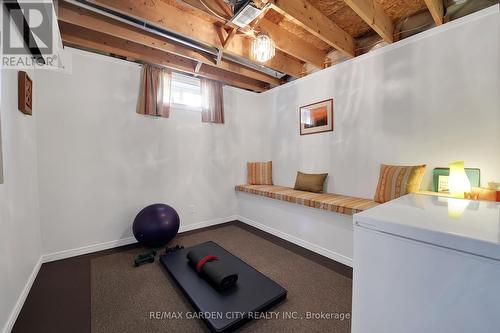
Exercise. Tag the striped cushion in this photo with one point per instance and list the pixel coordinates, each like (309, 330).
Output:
(260, 173)
(332, 202)
(396, 181)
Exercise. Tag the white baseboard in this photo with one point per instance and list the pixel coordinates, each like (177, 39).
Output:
(208, 223)
(89, 249)
(303, 243)
(86, 249)
(22, 298)
(126, 241)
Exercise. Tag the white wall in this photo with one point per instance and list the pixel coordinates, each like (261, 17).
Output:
(20, 242)
(100, 162)
(78, 171)
(431, 99)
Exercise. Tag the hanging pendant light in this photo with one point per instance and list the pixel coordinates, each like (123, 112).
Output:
(263, 47)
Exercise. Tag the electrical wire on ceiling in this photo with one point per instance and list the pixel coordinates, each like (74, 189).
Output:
(427, 25)
(213, 12)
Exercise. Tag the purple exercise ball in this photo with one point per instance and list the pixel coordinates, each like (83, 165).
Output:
(156, 225)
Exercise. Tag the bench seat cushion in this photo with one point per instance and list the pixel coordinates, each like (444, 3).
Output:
(332, 202)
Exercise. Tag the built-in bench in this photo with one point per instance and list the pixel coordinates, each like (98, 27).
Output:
(328, 201)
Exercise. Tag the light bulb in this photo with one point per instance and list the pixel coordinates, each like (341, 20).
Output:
(263, 48)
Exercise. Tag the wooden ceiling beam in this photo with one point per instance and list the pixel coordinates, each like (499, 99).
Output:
(284, 40)
(84, 18)
(310, 18)
(84, 38)
(168, 17)
(226, 38)
(260, 3)
(373, 14)
(225, 7)
(436, 7)
(292, 44)
(229, 38)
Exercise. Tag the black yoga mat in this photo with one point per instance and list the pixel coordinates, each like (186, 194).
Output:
(253, 293)
(219, 273)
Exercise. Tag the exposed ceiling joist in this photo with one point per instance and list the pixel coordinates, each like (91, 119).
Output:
(373, 14)
(223, 6)
(84, 18)
(436, 7)
(226, 35)
(93, 40)
(284, 40)
(229, 37)
(311, 19)
(176, 20)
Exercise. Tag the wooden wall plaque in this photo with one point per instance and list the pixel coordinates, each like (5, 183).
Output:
(25, 93)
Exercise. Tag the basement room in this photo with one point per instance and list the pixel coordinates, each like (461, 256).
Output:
(327, 166)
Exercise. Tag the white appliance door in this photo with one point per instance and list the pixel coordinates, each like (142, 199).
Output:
(404, 286)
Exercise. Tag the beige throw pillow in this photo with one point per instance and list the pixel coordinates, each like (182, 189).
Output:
(310, 182)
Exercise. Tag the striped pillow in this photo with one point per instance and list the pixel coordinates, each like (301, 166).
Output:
(396, 181)
(260, 173)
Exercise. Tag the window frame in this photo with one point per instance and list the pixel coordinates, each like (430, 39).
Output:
(176, 86)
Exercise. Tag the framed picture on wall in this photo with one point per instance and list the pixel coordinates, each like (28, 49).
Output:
(316, 118)
(25, 93)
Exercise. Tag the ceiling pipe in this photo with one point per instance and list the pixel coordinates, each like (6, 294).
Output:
(143, 25)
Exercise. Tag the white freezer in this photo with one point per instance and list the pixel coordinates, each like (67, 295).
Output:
(422, 266)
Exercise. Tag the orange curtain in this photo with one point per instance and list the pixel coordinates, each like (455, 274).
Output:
(212, 98)
(154, 99)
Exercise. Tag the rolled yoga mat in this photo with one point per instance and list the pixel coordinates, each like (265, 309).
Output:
(218, 273)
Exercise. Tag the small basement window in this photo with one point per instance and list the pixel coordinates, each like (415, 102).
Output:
(186, 92)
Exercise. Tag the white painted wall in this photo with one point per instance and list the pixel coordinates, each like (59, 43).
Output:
(431, 99)
(321, 231)
(20, 241)
(100, 162)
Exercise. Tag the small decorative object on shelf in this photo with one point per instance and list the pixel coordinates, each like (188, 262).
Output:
(440, 179)
(495, 186)
(478, 193)
(24, 93)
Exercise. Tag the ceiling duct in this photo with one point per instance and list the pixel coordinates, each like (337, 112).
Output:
(244, 12)
(172, 36)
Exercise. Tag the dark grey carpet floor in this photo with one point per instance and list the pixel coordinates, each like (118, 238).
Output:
(123, 297)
